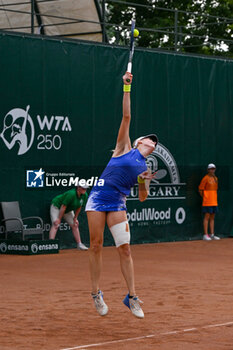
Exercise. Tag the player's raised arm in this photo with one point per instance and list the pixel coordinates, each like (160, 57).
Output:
(123, 144)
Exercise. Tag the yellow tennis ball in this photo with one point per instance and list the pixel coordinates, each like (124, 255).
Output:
(136, 33)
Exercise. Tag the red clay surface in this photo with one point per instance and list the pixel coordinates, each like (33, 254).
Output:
(45, 301)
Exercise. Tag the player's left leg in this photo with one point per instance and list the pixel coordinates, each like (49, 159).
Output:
(119, 227)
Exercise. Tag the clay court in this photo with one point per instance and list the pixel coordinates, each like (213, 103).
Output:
(186, 288)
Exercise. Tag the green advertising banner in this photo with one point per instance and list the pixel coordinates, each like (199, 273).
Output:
(60, 111)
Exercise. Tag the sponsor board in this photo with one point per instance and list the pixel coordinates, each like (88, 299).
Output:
(147, 216)
(64, 226)
(167, 194)
(33, 247)
(166, 184)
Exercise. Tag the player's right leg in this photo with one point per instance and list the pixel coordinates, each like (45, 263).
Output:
(96, 224)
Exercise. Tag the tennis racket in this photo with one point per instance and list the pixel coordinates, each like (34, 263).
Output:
(160, 174)
(131, 51)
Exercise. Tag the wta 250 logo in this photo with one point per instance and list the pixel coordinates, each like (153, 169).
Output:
(18, 131)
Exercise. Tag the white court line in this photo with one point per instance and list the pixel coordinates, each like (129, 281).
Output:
(168, 333)
(189, 329)
(110, 342)
(82, 347)
(219, 325)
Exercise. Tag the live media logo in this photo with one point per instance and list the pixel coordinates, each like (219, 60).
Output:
(40, 178)
(35, 178)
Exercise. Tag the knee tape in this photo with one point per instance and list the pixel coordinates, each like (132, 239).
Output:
(120, 233)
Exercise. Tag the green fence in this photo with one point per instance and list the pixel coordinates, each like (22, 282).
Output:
(60, 111)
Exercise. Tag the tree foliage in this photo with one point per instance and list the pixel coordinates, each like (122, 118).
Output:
(198, 26)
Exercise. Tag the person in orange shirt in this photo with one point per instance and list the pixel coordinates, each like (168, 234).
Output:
(208, 190)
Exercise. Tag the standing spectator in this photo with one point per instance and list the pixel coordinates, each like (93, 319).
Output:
(208, 190)
(68, 206)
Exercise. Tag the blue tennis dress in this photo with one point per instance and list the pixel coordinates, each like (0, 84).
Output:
(119, 176)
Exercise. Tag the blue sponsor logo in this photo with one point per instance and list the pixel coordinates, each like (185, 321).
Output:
(35, 178)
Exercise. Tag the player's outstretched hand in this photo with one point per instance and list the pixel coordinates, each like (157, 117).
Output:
(147, 175)
(127, 78)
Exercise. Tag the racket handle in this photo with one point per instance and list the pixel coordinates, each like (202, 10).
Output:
(129, 67)
(129, 70)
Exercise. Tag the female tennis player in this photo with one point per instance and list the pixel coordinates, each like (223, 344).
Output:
(108, 204)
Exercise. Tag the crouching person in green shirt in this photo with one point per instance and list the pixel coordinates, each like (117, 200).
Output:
(68, 206)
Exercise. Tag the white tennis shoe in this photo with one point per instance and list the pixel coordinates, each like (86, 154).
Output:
(215, 238)
(206, 238)
(134, 305)
(100, 305)
(81, 246)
